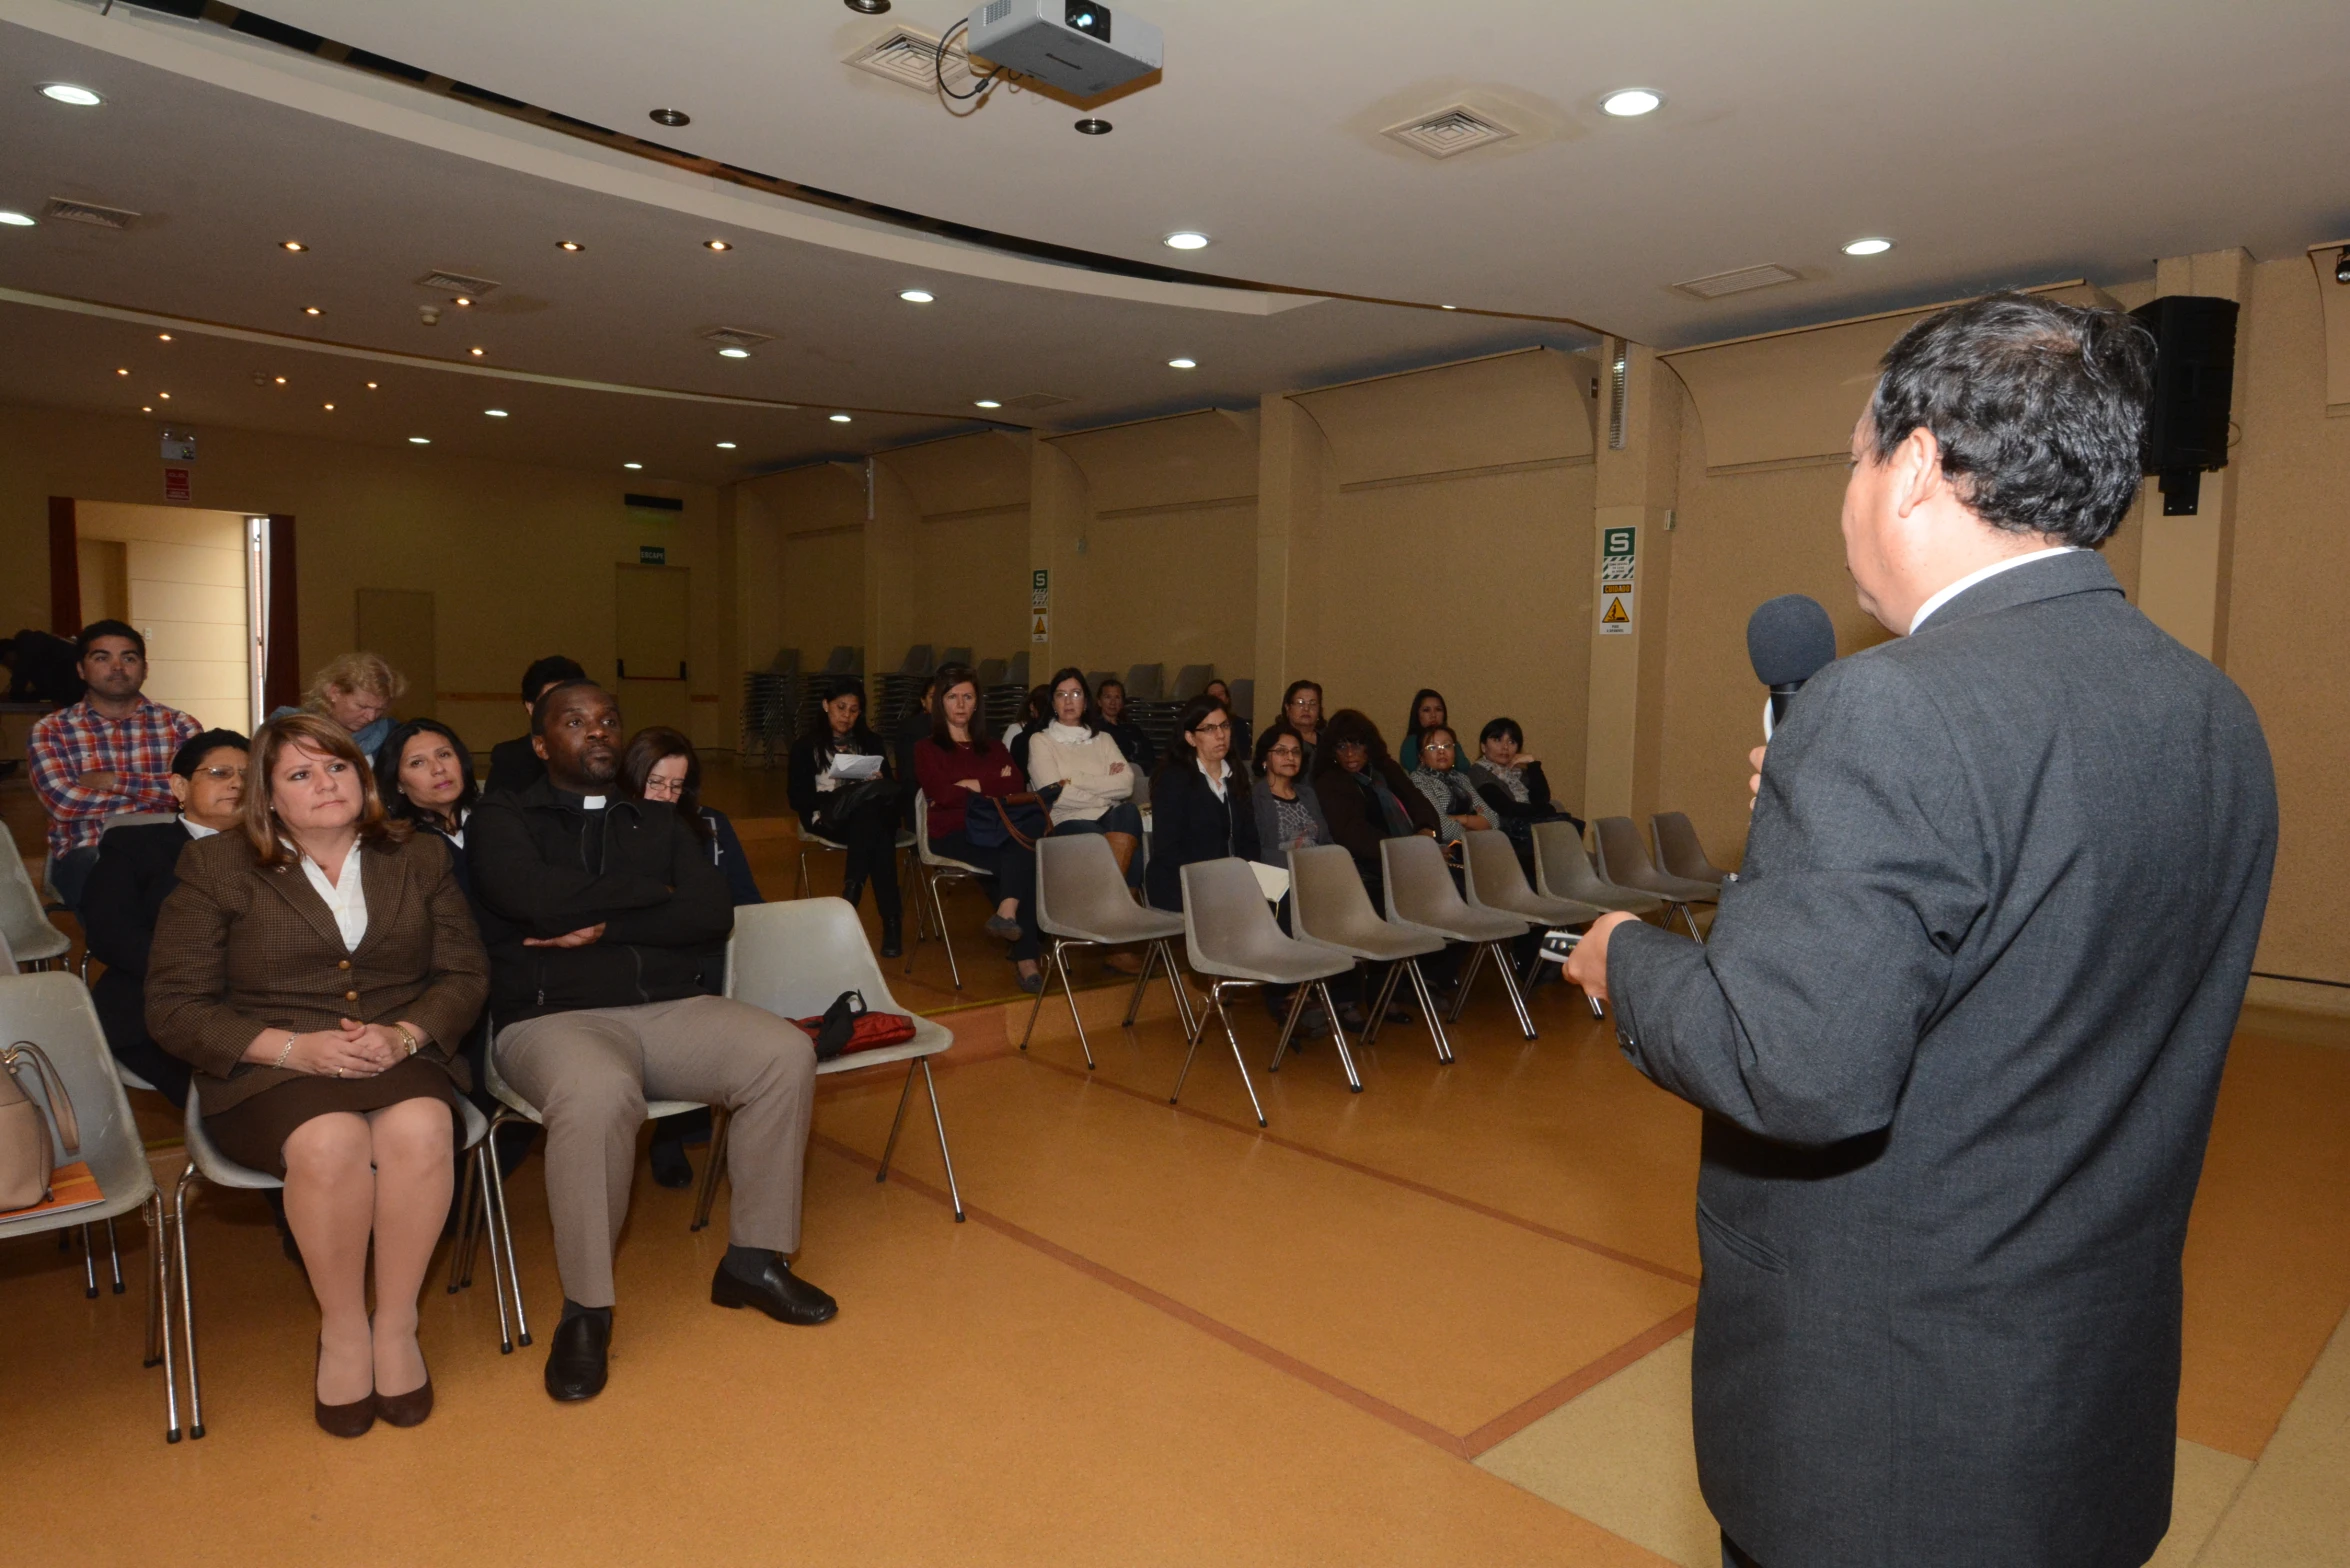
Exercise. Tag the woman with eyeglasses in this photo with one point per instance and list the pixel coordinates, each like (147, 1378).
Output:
(1438, 775)
(1200, 808)
(1289, 816)
(1301, 709)
(660, 765)
(1077, 751)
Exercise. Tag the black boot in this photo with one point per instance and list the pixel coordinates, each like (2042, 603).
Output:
(893, 937)
(853, 889)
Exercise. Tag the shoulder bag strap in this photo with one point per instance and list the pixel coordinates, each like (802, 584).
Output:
(69, 1131)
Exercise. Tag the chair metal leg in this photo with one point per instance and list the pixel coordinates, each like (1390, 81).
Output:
(1175, 983)
(800, 887)
(891, 1147)
(461, 1248)
(159, 1229)
(1378, 1013)
(114, 1256)
(89, 1265)
(179, 1230)
(1509, 983)
(1460, 995)
(1195, 1034)
(1142, 979)
(477, 1180)
(1354, 1081)
(1225, 1013)
(1297, 1010)
(1688, 918)
(720, 1120)
(1428, 1010)
(504, 1239)
(946, 938)
(1069, 991)
(151, 1213)
(938, 1121)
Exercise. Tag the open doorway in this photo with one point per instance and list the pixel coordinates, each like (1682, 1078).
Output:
(185, 579)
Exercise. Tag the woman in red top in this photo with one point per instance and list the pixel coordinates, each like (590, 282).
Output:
(956, 761)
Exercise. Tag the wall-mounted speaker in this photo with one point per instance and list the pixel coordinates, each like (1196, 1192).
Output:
(2194, 384)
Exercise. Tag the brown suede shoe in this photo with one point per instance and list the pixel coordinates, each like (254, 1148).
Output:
(407, 1409)
(351, 1420)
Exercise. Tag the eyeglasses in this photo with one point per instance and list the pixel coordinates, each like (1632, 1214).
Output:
(1213, 729)
(1351, 745)
(1285, 751)
(221, 775)
(664, 789)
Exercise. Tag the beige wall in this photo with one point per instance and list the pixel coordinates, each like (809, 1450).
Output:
(188, 599)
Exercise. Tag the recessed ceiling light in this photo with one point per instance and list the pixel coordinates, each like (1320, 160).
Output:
(632, 465)
(726, 446)
(124, 372)
(673, 118)
(987, 402)
(66, 92)
(146, 408)
(1186, 239)
(371, 386)
(477, 352)
(840, 419)
(570, 245)
(16, 220)
(281, 381)
(329, 407)
(291, 245)
(163, 396)
(495, 413)
(716, 245)
(163, 337)
(1448, 307)
(312, 310)
(916, 296)
(867, 7)
(420, 440)
(461, 300)
(734, 353)
(1091, 127)
(1183, 364)
(1629, 103)
(1868, 247)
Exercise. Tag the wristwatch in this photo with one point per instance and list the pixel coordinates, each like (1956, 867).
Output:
(407, 1039)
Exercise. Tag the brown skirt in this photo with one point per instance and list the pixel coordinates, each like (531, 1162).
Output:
(254, 1132)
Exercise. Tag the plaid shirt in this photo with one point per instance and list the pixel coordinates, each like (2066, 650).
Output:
(79, 740)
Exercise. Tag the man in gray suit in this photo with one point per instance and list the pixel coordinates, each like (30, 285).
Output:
(1960, 1026)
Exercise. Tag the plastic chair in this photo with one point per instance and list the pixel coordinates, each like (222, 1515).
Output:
(1229, 936)
(1143, 682)
(1679, 852)
(53, 1011)
(23, 921)
(812, 840)
(1496, 881)
(794, 960)
(1327, 904)
(1624, 861)
(1191, 680)
(1082, 901)
(932, 869)
(1563, 869)
(207, 1164)
(1420, 893)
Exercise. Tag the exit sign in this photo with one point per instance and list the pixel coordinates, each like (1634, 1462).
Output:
(652, 555)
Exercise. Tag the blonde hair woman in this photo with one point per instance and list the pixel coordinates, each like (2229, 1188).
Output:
(319, 970)
(357, 691)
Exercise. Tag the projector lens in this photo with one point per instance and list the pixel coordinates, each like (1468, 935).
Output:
(1091, 20)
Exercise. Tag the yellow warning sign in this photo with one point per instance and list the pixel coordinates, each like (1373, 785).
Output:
(1615, 609)
(1039, 631)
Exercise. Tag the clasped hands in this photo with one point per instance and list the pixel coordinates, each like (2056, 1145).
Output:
(349, 1050)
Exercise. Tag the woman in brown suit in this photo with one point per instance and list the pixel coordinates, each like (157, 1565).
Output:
(319, 970)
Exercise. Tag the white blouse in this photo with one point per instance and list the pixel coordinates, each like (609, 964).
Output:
(346, 896)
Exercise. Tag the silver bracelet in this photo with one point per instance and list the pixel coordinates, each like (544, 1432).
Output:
(288, 1051)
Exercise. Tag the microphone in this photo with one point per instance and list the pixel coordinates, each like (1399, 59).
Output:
(1790, 639)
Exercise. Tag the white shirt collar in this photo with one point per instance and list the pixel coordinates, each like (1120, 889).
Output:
(345, 897)
(1983, 574)
(1216, 780)
(591, 802)
(197, 829)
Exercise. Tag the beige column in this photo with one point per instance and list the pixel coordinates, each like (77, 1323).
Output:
(2183, 567)
(1636, 489)
(1289, 496)
(1057, 512)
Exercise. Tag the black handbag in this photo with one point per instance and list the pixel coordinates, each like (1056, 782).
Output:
(991, 821)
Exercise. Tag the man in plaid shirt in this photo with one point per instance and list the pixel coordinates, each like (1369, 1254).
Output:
(107, 753)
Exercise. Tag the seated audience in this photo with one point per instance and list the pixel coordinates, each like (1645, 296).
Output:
(1365, 797)
(1428, 711)
(1200, 808)
(1514, 789)
(1077, 752)
(317, 967)
(860, 814)
(661, 765)
(1440, 777)
(955, 762)
(1110, 699)
(424, 775)
(1034, 716)
(40, 668)
(1301, 707)
(513, 763)
(355, 690)
(1289, 816)
(606, 922)
(1243, 744)
(912, 730)
(138, 866)
(107, 754)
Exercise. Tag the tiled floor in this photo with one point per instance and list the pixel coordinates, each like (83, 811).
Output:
(1443, 1321)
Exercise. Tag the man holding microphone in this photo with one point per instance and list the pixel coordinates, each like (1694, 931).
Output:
(1959, 1030)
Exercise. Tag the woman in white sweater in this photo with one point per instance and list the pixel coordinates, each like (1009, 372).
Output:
(1076, 751)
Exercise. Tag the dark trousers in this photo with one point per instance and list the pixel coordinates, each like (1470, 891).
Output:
(871, 834)
(120, 998)
(70, 872)
(1732, 1557)
(1014, 870)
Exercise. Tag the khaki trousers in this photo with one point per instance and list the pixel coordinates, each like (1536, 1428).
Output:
(590, 1073)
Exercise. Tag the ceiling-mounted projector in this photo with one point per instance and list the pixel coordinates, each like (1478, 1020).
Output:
(1073, 45)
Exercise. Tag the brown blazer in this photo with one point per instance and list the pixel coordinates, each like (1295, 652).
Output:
(239, 949)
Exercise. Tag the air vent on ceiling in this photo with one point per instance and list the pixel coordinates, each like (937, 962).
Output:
(909, 57)
(456, 283)
(1448, 131)
(1032, 401)
(738, 337)
(1718, 284)
(89, 212)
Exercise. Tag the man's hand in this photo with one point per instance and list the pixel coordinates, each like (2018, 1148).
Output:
(1754, 760)
(1587, 965)
(583, 937)
(100, 781)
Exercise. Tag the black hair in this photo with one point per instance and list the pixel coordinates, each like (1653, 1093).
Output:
(1348, 724)
(2039, 409)
(950, 676)
(847, 686)
(97, 629)
(1273, 733)
(1091, 718)
(1037, 712)
(653, 745)
(554, 667)
(1295, 687)
(1420, 743)
(1180, 752)
(538, 706)
(387, 770)
(1507, 727)
(196, 748)
(1106, 685)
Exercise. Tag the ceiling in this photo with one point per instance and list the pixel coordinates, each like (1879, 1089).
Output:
(1994, 143)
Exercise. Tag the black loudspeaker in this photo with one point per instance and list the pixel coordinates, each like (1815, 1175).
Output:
(2194, 383)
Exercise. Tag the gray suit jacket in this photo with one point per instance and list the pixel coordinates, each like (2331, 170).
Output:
(1959, 1031)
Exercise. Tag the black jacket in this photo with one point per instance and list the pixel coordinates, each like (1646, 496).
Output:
(543, 866)
(514, 765)
(813, 752)
(137, 869)
(1188, 823)
(1139, 750)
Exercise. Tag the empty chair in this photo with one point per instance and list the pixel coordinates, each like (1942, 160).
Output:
(1563, 869)
(1230, 938)
(23, 922)
(845, 660)
(1496, 881)
(991, 673)
(54, 1011)
(1094, 679)
(919, 661)
(1082, 901)
(1420, 893)
(794, 960)
(207, 1164)
(955, 656)
(1327, 904)
(1016, 672)
(1144, 681)
(1191, 680)
(1679, 852)
(1624, 861)
(935, 871)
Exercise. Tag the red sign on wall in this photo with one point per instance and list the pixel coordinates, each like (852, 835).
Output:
(175, 484)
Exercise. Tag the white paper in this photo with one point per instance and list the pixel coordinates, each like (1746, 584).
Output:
(848, 766)
(1272, 881)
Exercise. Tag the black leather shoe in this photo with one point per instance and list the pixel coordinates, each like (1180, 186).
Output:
(853, 890)
(780, 1293)
(576, 1361)
(893, 937)
(670, 1166)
